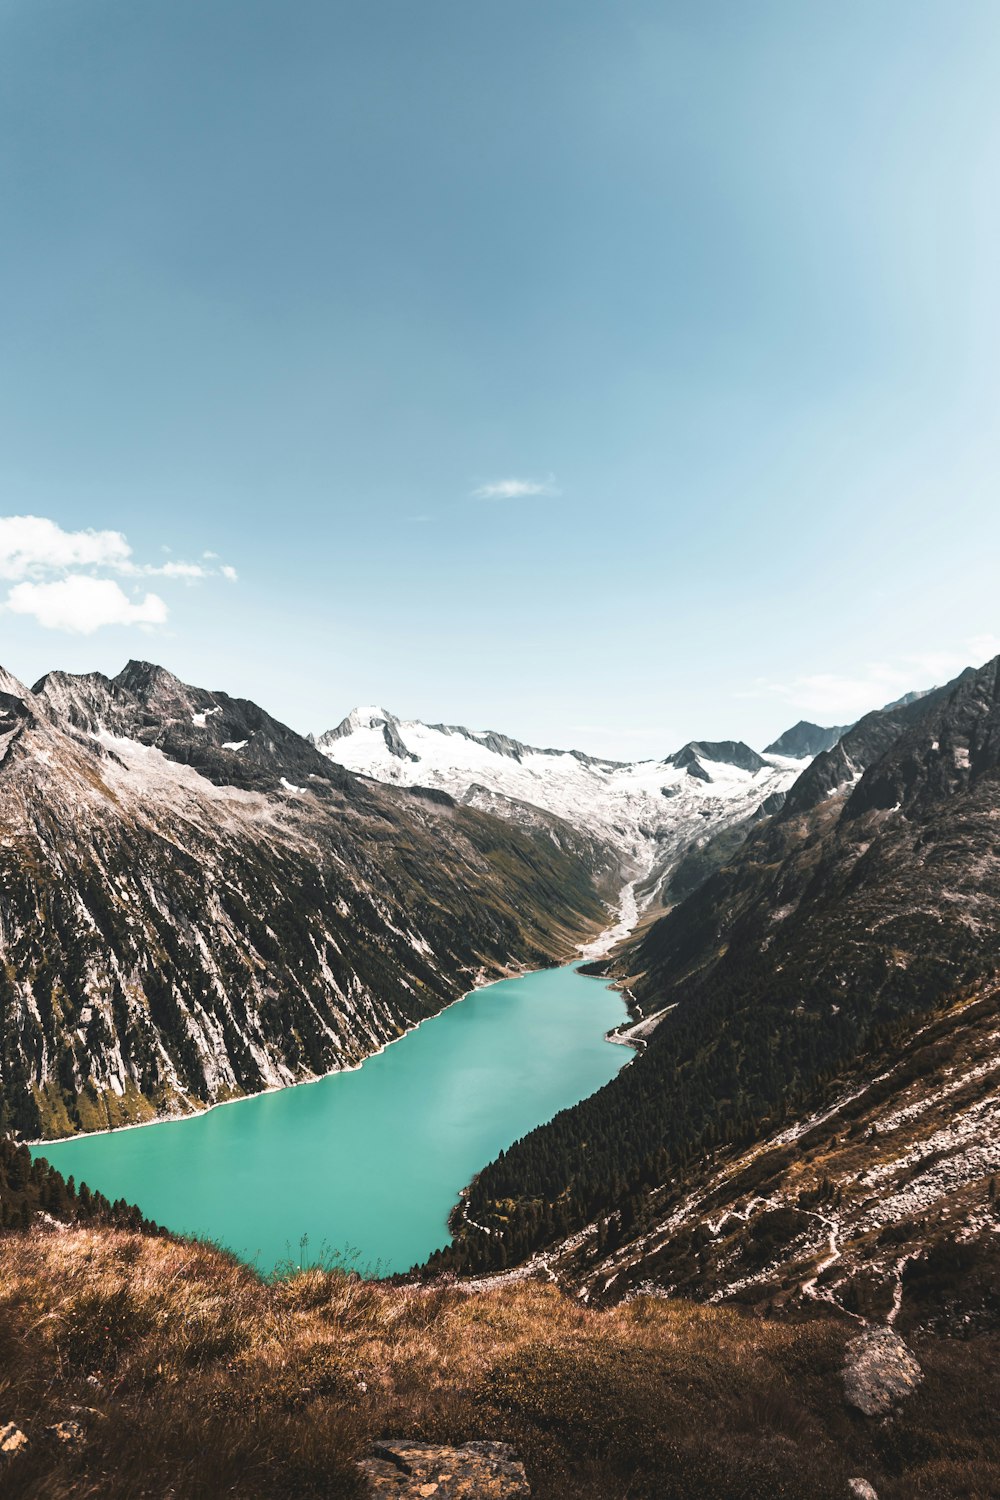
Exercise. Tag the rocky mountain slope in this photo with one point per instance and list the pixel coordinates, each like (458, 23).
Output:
(651, 812)
(816, 1100)
(883, 1204)
(195, 903)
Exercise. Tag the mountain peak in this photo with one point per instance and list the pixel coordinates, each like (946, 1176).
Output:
(806, 739)
(147, 680)
(368, 717)
(723, 752)
(12, 686)
(87, 700)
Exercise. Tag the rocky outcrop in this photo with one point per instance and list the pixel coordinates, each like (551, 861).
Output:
(879, 1372)
(419, 1471)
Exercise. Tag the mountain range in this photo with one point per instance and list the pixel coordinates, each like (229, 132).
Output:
(651, 813)
(201, 903)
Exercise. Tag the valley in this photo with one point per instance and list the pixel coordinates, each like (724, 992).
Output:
(799, 1138)
(203, 904)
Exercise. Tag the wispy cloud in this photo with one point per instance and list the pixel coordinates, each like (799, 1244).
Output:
(57, 576)
(832, 697)
(515, 489)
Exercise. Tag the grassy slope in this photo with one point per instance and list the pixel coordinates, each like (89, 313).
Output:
(198, 1380)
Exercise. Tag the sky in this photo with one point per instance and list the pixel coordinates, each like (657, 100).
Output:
(608, 374)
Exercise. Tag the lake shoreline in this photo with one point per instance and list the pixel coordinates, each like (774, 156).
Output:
(178, 1117)
(514, 971)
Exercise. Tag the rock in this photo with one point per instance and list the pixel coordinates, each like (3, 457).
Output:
(12, 1440)
(879, 1371)
(70, 1433)
(861, 1490)
(425, 1471)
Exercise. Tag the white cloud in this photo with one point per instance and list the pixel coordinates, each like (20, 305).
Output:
(189, 572)
(829, 697)
(44, 563)
(515, 489)
(82, 604)
(33, 545)
(175, 570)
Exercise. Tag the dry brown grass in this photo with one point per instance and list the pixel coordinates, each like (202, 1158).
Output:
(200, 1381)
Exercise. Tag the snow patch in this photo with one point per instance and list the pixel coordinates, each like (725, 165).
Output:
(199, 720)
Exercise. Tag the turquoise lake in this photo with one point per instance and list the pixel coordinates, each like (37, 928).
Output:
(370, 1161)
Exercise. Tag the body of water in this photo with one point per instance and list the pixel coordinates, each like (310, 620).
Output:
(372, 1160)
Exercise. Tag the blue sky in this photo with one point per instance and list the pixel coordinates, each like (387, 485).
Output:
(607, 374)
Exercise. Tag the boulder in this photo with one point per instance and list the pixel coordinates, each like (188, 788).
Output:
(879, 1371)
(398, 1470)
(70, 1433)
(12, 1439)
(861, 1490)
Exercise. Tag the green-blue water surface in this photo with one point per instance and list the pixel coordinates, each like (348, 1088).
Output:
(370, 1160)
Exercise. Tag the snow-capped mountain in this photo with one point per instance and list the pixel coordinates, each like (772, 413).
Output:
(650, 812)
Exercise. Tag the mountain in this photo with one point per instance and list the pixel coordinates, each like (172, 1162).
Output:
(880, 1204)
(197, 904)
(651, 812)
(833, 984)
(806, 740)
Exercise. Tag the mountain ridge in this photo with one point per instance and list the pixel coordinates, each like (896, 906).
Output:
(653, 811)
